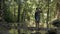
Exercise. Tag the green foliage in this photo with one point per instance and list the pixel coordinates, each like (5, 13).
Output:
(8, 13)
(28, 7)
(8, 16)
(27, 10)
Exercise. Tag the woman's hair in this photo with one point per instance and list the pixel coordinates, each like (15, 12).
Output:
(38, 8)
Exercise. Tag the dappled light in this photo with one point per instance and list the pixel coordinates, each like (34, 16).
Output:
(29, 16)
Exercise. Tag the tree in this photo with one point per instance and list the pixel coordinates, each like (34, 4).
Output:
(58, 10)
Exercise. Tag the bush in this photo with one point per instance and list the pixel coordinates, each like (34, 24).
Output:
(56, 23)
(51, 31)
(8, 16)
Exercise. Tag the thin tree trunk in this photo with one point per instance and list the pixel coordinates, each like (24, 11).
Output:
(18, 19)
(58, 10)
(2, 8)
(47, 16)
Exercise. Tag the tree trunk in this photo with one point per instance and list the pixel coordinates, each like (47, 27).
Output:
(58, 10)
(47, 16)
(19, 18)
